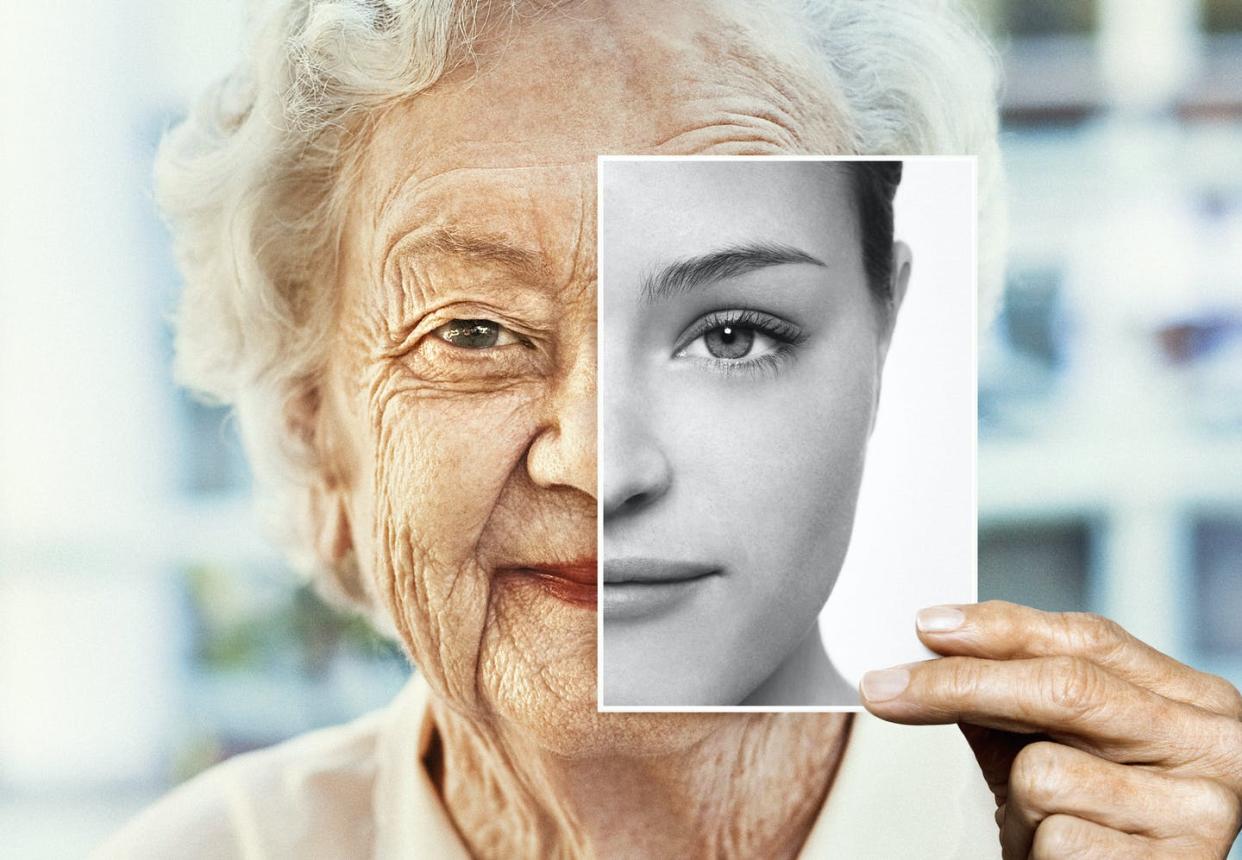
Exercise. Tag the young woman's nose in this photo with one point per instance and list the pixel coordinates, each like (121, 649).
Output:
(634, 469)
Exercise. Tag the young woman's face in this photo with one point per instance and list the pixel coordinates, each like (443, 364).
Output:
(740, 360)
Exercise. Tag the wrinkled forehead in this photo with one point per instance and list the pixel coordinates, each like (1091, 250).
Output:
(513, 135)
(536, 221)
(607, 77)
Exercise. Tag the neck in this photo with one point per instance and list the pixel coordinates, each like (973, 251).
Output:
(749, 785)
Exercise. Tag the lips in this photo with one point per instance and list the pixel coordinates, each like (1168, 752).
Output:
(653, 571)
(572, 582)
(640, 588)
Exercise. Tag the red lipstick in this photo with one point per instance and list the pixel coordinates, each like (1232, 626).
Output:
(573, 582)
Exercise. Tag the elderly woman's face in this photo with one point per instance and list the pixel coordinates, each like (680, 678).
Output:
(461, 396)
(741, 350)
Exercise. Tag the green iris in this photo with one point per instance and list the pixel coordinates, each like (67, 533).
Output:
(471, 334)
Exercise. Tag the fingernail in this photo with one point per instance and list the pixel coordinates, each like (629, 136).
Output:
(884, 684)
(939, 619)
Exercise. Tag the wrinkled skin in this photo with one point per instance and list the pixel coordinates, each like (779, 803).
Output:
(1094, 744)
(440, 465)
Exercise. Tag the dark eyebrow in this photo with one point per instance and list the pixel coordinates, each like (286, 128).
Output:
(682, 276)
(480, 247)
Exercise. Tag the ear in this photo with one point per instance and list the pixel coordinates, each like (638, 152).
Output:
(902, 261)
(330, 525)
(327, 501)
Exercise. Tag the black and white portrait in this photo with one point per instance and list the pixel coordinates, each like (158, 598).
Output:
(763, 322)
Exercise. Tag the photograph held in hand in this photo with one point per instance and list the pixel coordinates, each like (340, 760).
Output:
(747, 310)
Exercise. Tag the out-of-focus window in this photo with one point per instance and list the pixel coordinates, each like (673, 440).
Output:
(1217, 563)
(1022, 354)
(1044, 565)
(1025, 18)
(1222, 16)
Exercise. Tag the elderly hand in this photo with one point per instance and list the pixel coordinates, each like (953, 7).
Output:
(1093, 743)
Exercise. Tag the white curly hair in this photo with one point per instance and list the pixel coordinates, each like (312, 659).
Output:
(253, 182)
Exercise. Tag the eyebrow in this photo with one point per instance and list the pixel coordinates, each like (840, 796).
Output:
(683, 276)
(478, 247)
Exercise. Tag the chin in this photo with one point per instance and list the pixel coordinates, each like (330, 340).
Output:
(537, 676)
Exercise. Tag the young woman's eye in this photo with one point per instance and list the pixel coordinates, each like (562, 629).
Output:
(738, 337)
(730, 343)
(477, 334)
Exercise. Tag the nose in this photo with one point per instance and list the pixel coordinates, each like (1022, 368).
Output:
(635, 469)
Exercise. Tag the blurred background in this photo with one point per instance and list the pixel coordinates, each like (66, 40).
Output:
(146, 629)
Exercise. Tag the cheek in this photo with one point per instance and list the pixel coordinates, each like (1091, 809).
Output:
(780, 460)
(440, 461)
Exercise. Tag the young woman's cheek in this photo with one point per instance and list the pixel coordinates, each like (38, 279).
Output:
(782, 456)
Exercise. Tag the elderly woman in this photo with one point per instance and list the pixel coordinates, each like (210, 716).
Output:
(386, 223)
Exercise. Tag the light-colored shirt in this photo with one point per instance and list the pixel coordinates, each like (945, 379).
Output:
(356, 790)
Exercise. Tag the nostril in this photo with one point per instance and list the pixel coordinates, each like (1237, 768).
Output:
(634, 480)
(629, 504)
(636, 501)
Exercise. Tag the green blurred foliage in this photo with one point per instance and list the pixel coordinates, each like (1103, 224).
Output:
(244, 622)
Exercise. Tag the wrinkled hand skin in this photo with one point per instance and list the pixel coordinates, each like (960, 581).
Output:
(476, 199)
(1094, 744)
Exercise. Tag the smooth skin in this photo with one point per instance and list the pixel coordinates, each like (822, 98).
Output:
(1094, 744)
(750, 464)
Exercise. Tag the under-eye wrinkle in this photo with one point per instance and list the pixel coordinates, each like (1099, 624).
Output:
(471, 352)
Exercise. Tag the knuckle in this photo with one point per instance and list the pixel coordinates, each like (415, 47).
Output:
(1072, 685)
(1227, 695)
(1217, 806)
(1092, 635)
(1059, 837)
(1036, 776)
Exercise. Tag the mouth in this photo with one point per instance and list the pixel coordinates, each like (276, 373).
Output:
(636, 588)
(572, 582)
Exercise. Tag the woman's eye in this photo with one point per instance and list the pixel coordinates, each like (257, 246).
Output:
(476, 334)
(740, 340)
(730, 342)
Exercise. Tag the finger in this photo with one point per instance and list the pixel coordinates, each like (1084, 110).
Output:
(1004, 631)
(1072, 700)
(1062, 836)
(994, 751)
(1051, 779)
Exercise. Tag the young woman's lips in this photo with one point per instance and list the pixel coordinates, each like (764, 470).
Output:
(637, 588)
(574, 582)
